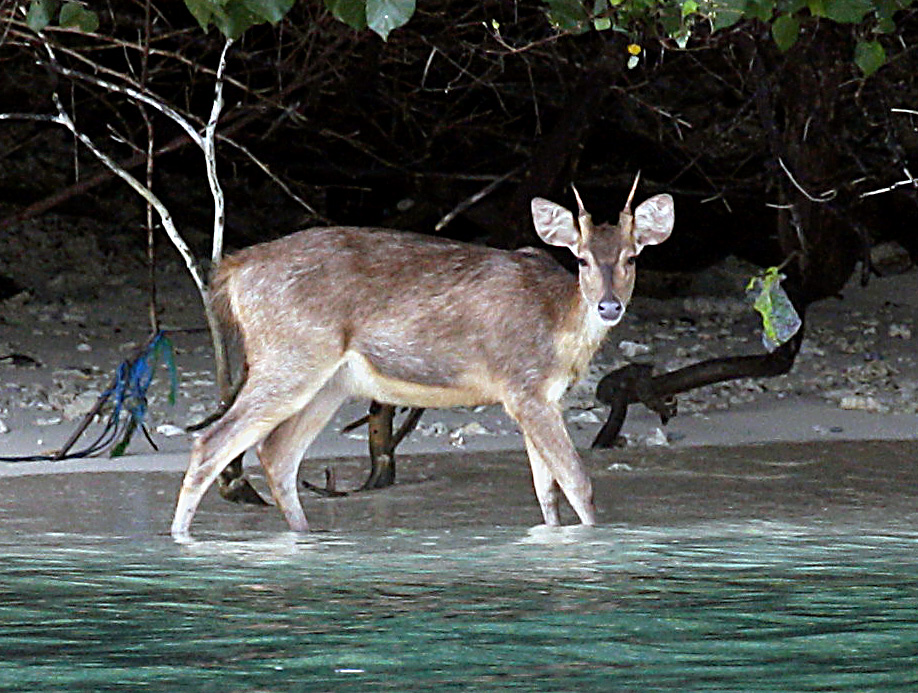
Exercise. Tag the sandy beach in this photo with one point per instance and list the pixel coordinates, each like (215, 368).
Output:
(65, 333)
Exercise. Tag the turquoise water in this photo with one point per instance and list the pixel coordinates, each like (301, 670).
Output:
(734, 606)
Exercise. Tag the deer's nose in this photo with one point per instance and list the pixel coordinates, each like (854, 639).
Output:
(611, 310)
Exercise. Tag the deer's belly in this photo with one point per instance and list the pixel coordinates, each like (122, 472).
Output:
(417, 387)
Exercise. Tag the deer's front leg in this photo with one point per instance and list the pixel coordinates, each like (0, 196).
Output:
(550, 447)
(546, 488)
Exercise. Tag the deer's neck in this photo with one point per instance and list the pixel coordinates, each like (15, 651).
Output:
(581, 336)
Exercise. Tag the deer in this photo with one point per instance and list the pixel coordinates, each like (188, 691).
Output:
(330, 313)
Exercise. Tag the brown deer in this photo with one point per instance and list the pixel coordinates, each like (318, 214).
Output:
(329, 313)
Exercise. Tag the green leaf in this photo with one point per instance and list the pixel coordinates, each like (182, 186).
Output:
(233, 17)
(568, 15)
(886, 25)
(351, 12)
(848, 11)
(202, 11)
(75, 16)
(271, 11)
(671, 22)
(385, 15)
(785, 31)
(235, 20)
(601, 21)
(817, 7)
(163, 350)
(40, 13)
(759, 9)
(791, 6)
(886, 9)
(726, 13)
(780, 320)
(869, 56)
(121, 447)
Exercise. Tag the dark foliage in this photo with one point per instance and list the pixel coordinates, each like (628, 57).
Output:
(450, 103)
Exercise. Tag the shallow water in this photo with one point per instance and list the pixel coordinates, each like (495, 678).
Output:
(795, 571)
(741, 607)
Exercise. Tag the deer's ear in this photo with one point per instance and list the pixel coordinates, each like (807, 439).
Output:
(653, 221)
(555, 224)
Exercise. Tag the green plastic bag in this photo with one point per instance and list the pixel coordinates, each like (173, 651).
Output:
(780, 321)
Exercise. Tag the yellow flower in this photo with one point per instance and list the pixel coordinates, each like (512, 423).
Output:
(634, 49)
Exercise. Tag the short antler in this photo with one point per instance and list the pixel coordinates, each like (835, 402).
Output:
(584, 220)
(625, 218)
(631, 194)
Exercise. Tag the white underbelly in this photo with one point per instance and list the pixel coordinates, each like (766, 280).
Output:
(365, 381)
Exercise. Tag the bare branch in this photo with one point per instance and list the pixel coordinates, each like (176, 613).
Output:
(909, 180)
(273, 176)
(210, 157)
(127, 90)
(825, 197)
(474, 199)
(63, 118)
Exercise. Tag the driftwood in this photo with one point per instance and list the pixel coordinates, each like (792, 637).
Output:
(383, 439)
(635, 383)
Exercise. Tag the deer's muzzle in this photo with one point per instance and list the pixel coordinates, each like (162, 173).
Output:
(611, 310)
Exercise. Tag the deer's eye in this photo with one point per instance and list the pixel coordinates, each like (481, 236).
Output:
(581, 262)
(631, 259)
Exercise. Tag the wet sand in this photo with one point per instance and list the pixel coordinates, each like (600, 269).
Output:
(869, 485)
(751, 449)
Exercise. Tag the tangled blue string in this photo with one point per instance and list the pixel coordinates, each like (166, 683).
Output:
(128, 392)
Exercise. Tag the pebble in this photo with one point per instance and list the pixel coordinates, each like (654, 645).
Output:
(81, 404)
(861, 403)
(632, 350)
(437, 428)
(472, 428)
(900, 330)
(73, 317)
(585, 416)
(890, 258)
(811, 349)
(169, 430)
(712, 305)
(656, 439)
(200, 382)
(3, 427)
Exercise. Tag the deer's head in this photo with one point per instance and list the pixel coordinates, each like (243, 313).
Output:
(606, 253)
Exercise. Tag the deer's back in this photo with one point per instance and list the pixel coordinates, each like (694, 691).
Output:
(417, 308)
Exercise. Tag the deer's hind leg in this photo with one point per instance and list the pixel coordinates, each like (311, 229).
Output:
(262, 405)
(281, 452)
